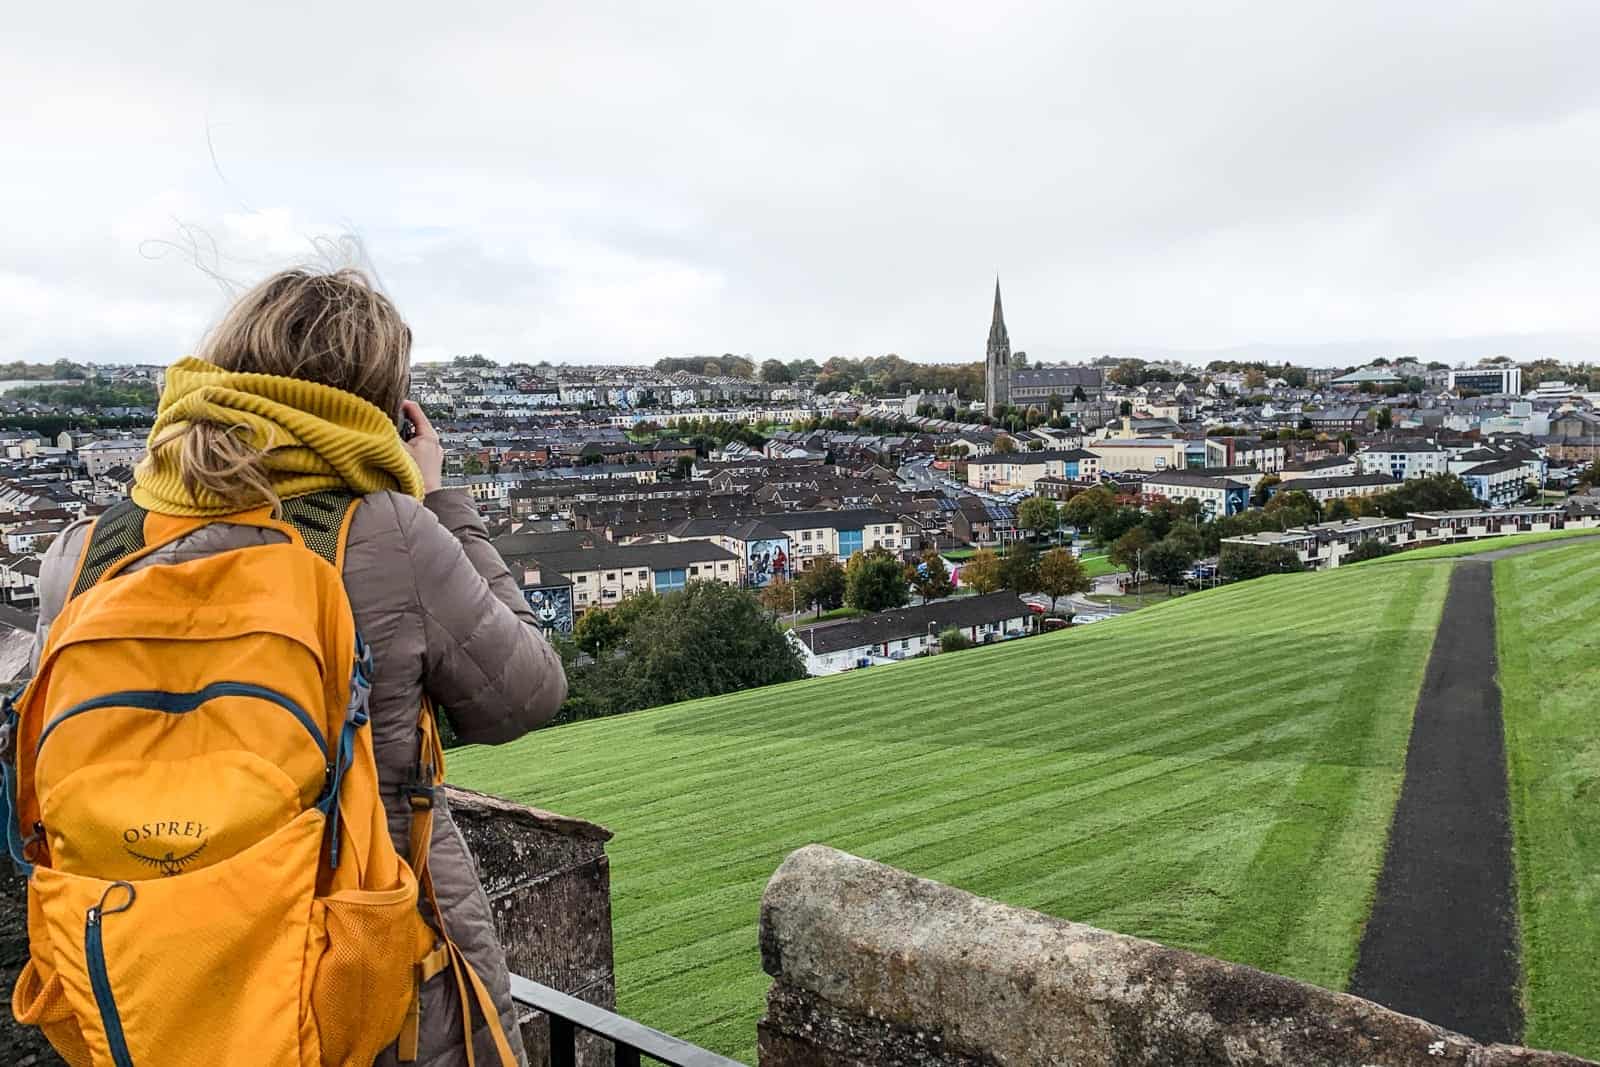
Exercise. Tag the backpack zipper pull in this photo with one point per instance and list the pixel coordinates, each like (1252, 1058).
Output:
(98, 911)
(99, 981)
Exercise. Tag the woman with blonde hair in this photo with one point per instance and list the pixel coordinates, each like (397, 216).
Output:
(301, 389)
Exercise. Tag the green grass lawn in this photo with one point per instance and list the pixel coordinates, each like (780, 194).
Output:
(811, 618)
(1548, 623)
(1229, 792)
(1098, 565)
(1472, 548)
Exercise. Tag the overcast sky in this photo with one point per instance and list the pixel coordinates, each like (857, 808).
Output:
(617, 182)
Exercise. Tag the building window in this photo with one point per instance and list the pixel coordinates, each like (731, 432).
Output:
(670, 579)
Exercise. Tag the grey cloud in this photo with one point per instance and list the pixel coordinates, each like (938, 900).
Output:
(623, 181)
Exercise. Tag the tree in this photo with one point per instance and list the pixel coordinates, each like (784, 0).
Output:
(1114, 524)
(1078, 395)
(1159, 518)
(931, 578)
(1166, 560)
(875, 581)
(981, 573)
(1086, 508)
(705, 639)
(1189, 538)
(1242, 562)
(1038, 515)
(1371, 549)
(1125, 408)
(597, 631)
(822, 585)
(1590, 475)
(1440, 492)
(1337, 511)
(472, 465)
(1262, 491)
(775, 372)
(1004, 444)
(1062, 574)
(1019, 569)
(779, 596)
(953, 640)
(1385, 418)
(1128, 549)
(1296, 500)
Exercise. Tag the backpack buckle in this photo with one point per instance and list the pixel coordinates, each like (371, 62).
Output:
(418, 790)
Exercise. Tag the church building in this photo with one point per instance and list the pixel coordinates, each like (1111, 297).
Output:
(1020, 387)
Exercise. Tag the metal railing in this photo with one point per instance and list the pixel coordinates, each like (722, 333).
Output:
(568, 1015)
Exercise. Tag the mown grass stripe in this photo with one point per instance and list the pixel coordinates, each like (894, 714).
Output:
(1547, 618)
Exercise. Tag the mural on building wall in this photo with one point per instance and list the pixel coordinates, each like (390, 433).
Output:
(552, 606)
(766, 560)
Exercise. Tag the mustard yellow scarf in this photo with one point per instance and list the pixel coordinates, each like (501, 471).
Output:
(316, 437)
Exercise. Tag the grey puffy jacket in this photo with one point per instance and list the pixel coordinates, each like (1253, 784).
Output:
(434, 600)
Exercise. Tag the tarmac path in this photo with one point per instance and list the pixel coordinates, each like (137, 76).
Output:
(1442, 941)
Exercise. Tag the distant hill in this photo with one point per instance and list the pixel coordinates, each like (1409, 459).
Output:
(1451, 350)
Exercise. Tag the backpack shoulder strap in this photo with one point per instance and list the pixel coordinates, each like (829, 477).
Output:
(321, 519)
(422, 792)
(115, 535)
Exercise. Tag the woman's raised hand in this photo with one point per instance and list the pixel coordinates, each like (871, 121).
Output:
(424, 447)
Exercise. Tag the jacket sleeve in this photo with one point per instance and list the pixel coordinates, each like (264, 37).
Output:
(56, 571)
(485, 660)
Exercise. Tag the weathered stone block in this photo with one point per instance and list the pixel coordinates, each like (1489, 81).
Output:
(873, 965)
(549, 885)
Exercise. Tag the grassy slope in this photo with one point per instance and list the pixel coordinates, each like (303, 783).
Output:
(1547, 618)
(1098, 565)
(1472, 548)
(1225, 783)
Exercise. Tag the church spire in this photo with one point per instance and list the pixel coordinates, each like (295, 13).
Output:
(997, 327)
(997, 361)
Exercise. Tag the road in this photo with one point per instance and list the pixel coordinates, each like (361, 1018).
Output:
(1079, 605)
(18, 619)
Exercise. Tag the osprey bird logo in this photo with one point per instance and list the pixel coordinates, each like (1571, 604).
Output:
(170, 864)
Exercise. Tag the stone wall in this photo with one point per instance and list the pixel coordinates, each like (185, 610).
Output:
(873, 966)
(22, 1046)
(548, 881)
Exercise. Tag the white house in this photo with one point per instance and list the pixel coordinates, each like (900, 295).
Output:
(889, 636)
(1404, 459)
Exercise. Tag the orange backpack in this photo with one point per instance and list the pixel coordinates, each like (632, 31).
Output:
(194, 797)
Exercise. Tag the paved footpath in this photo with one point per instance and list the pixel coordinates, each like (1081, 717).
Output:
(1442, 939)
